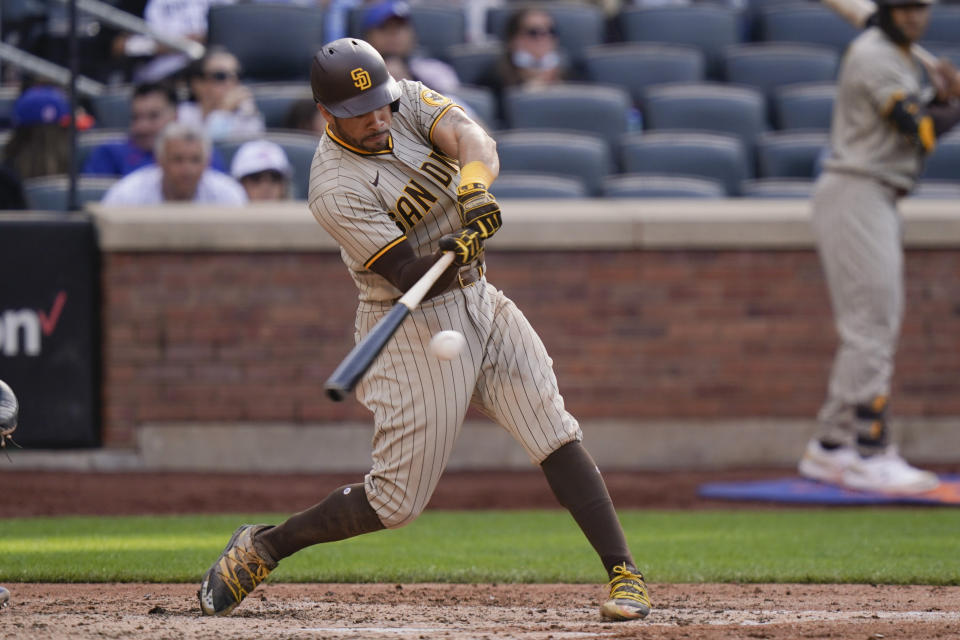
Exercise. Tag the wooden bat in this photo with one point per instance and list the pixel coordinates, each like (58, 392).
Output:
(352, 368)
(856, 13)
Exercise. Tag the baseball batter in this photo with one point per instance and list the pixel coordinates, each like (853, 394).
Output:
(400, 176)
(884, 122)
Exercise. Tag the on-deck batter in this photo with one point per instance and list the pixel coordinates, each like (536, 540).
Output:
(884, 122)
(401, 174)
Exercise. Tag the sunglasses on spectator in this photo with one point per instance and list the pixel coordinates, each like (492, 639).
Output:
(538, 32)
(269, 175)
(220, 76)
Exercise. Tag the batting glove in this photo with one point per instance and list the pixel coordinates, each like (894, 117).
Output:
(478, 209)
(466, 245)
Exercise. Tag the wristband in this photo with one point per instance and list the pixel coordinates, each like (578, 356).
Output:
(476, 172)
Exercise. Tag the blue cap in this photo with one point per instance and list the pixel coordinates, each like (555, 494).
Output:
(379, 13)
(41, 105)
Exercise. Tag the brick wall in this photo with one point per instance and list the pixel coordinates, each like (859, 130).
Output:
(217, 337)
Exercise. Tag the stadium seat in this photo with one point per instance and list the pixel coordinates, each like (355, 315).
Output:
(8, 95)
(50, 193)
(789, 154)
(601, 110)
(111, 109)
(709, 27)
(804, 106)
(438, 26)
(944, 24)
(272, 41)
(481, 101)
(579, 155)
(579, 25)
(769, 66)
(707, 106)
(627, 185)
(691, 154)
(518, 184)
(274, 99)
(299, 148)
(91, 138)
(636, 66)
(475, 63)
(944, 162)
(776, 188)
(949, 50)
(805, 22)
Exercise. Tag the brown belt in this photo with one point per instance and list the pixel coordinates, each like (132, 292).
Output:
(467, 276)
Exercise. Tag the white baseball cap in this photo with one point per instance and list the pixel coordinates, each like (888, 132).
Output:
(259, 155)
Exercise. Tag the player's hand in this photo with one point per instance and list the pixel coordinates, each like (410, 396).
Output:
(466, 245)
(478, 209)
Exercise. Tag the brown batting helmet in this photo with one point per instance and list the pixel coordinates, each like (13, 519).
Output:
(349, 78)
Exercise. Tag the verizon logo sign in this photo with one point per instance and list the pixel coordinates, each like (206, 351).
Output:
(21, 330)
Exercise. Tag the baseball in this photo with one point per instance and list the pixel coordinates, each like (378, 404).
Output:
(447, 345)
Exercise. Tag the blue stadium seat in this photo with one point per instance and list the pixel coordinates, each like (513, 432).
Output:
(715, 107)
(579, 25)
(944, 24)
(272, 41)
(804, 106)
(709, 27)
(636, 66)
(805, 22)
(692, 154)
(111, 109)
(769, 66)
(299, 148)
(578, 155)
(274, 99)
(475, 63)
(944, 162)
(936, 190)
(949, 50)
(480, 101)
(50, 193)
(519, 184)
(628, 185)
(596, 109)
(92, 138)
(438, 26)
(777, 188)
(788, 154)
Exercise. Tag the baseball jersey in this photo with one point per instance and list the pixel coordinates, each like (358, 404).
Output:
(369, 201)
(874, 74)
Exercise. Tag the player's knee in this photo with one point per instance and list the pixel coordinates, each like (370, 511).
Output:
(396, 507)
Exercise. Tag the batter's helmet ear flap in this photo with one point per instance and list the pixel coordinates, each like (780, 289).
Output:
(349, 78)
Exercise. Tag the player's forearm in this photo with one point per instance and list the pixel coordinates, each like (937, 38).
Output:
(477, 146)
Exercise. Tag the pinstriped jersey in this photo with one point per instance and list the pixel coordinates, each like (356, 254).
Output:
(370, 201)
(874, 74)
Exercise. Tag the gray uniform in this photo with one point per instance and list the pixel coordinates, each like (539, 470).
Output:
(370, 201)
(858, 226)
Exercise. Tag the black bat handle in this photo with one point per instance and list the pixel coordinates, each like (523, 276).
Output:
(346, 376)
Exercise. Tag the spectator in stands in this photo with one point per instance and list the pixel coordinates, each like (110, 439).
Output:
(222, 106)
(152, 107)
(262, 168)
(180, 175)
(303, 115)
(532, 57)
(387, 26)
(39, 144)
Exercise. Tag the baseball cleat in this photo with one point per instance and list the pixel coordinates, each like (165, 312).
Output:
(628, 595)
(890, 473)
(826, 465)
(237, 572)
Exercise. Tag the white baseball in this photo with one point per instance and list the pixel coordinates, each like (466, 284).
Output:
(447, 345)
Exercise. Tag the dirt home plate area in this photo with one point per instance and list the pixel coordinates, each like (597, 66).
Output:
(434, 611)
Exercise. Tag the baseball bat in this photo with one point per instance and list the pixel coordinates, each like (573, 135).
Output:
(856, 13)
(352, 368)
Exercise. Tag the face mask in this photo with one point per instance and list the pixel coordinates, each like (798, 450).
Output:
(526, 60)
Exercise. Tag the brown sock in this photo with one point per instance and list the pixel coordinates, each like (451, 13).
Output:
(342, 514)
(576, 482)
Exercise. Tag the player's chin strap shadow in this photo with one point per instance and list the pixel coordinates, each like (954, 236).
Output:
(5, 435)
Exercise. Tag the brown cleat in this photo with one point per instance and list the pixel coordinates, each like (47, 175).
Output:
(237, 572)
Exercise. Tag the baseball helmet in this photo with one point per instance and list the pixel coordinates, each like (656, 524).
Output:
(349, 78)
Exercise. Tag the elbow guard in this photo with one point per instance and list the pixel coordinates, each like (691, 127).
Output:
(912, 119)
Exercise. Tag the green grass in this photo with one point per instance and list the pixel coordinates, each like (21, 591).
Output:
(892, 546)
